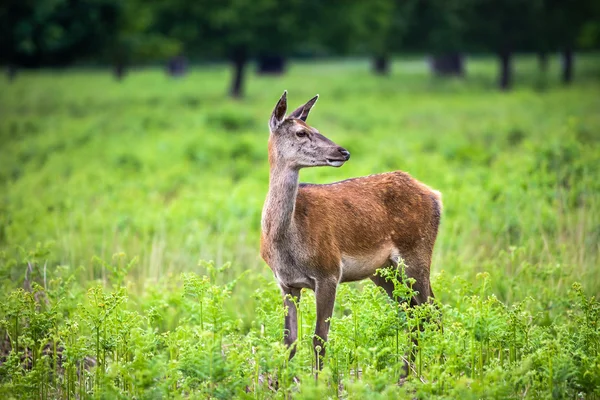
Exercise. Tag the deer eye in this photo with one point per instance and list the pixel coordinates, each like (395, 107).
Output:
(301, 134)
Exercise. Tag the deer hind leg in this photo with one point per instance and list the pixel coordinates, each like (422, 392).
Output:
(291, 297)
(414, 269)
(388, 286)
(419, 270)
(325, 297)
(389, 289)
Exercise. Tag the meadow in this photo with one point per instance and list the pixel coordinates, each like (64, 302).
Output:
(130, 222)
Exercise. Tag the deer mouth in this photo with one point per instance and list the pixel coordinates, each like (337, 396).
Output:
(338, 161)
(335, 162)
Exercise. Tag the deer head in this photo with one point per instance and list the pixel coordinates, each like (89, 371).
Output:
(295, 144)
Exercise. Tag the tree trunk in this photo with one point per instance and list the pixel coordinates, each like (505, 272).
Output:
(11, 72)
(543, 61)
(567, 73)
(177, 66)
(271, 64)
(381, 65)
(119, 71)
(448, 64)
(505, 81)
(239, 59)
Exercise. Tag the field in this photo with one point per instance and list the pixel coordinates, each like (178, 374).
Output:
(130, 221)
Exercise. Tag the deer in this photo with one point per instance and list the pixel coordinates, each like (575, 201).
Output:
(317, 236)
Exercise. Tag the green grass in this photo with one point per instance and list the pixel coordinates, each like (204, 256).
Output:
(95, 174)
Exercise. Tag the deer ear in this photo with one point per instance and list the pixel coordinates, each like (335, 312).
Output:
(279, 112)
(302, 111)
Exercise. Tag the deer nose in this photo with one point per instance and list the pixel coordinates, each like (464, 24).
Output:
(344, 153)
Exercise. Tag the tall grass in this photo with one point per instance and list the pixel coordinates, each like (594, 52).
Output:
(113, 192)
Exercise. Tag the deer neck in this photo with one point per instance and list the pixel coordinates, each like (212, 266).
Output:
(278, 211)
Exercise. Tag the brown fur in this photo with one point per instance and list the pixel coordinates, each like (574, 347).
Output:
(358, 215)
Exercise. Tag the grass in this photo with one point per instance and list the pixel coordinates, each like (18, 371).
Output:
(112, 193)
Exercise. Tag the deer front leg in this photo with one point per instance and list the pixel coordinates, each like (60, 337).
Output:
(291, 297)
(325, 296)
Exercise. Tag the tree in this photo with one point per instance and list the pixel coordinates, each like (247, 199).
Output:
(445, 24)
(563, 28)
(282, 32)
(234, 29)
(386, 30)
(51, 32)
(376, 28)
(60, 32)
(589, 35)
(374, 24)
(503, 26)
(133, 36)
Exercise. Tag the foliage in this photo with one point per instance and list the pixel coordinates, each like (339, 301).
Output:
(373, 28)
(441, 26)
(53, 32)
(60, 32)
(111, 193)
(133, 38)
(102, 347)
(219, 28)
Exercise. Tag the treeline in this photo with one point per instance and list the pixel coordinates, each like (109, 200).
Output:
(36, 33)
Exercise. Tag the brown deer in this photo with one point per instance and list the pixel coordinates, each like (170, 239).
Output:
(317, 236)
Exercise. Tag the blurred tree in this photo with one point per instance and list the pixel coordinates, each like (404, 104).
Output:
(376, 28)
(445, 28)
(270, 63)
(563, 27)
(133, 36)
(335, 31)
(59, 32)
(373, 24)
(177, 65)
(503, 26)
(282, 31)
(544, 42)
(121, 32)
(385, 28)
(235, 29)
(589, 35)
(51, 32)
